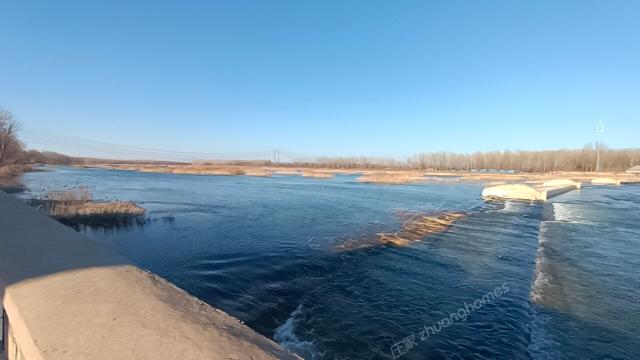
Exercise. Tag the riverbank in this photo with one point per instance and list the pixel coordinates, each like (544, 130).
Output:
(10, 178)
(11, 185)
(382, 176)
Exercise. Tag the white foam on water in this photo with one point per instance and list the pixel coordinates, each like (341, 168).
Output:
(540, 344)
(513, 206)
(568, 213)
(562, 212)
(541, 277)
(510, 206)
(285, 335)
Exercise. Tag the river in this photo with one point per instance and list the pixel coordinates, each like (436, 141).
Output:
(511, 280)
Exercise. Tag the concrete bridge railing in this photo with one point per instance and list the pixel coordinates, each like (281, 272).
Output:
(66, 297)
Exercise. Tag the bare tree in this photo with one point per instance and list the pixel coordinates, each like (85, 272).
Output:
(9, 143)
(584, 159)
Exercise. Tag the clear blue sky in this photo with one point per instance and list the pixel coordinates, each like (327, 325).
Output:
(381, 78)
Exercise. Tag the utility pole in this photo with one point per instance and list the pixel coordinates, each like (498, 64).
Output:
(599, 130)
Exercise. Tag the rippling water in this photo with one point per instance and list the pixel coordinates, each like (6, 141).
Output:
(263, 250)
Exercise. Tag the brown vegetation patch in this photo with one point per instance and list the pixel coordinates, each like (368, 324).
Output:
(9, 171)
(382, 176)
(74, 212)
(317, 174)
(391, 177)
(206, 170)
(73, 206)
(416, 227)
(419, 226)
(10, 178)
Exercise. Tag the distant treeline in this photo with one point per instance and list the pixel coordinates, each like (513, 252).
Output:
(13, 153)
(584, 159)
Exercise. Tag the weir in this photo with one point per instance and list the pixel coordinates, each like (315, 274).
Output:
(548, 189)
(527, 192)
(66, 297)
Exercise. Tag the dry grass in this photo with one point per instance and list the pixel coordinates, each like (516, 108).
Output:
(318, 174)
(416, 227)
(419, 226)
(74, 212)
(9, 171)
(391, 177)
(228, 170)
(368, 176)
(10, 178)
(206, 170)
(74, 206)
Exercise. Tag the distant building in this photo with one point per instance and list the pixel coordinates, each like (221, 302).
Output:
(634, 170)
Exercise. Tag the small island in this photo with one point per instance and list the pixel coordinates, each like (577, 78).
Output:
(75, 206)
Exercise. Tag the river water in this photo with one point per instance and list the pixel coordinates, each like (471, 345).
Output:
(555, 280)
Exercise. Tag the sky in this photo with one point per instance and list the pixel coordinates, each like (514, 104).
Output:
(239, 79)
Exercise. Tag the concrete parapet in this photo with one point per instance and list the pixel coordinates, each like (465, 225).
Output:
(605, 181)
(562, 183)
(526, 192)
(67, 297)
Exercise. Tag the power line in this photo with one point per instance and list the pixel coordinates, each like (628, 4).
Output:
(102, 147)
